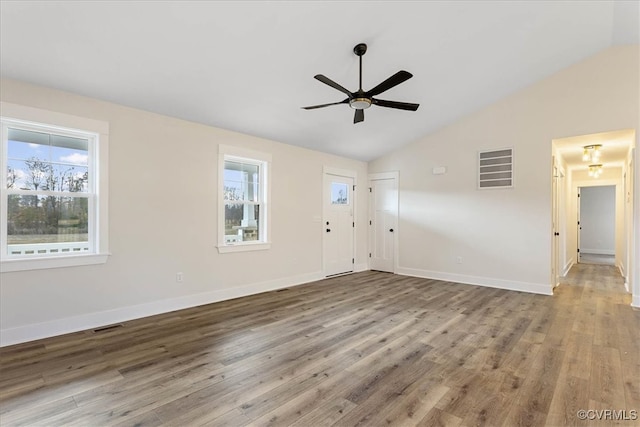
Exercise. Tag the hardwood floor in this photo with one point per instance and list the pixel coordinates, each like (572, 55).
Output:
(365, 349)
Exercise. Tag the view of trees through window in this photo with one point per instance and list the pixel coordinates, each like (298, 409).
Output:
(48, 183)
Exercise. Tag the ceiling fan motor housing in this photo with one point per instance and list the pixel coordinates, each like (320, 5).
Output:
(360, 103)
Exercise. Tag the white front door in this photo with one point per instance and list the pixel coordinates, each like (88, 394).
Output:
(383, 219)
(338, 225)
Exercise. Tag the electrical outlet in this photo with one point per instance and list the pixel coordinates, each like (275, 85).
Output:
(179, 277)
(459, 260)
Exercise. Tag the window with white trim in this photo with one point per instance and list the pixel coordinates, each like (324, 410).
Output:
(243, 200)
(50, 196)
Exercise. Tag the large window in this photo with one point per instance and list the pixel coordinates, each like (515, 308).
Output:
(244, 200)
(50, 201)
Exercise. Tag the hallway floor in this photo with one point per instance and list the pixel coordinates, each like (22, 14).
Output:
(597, 259)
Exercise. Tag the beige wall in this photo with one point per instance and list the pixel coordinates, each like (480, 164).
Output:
(163, 176)
(504, 236)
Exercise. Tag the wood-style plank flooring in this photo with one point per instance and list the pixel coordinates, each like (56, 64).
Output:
(368, 349)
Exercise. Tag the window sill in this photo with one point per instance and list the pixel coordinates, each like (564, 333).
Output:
(25, 264)
(244, 247)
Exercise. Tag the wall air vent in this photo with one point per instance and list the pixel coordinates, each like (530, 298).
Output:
(495, 169)
(107, 328)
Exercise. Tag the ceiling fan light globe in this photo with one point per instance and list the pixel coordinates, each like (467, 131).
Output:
(360, 103)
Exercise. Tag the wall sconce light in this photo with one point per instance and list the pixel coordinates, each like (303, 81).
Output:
(591, 153)
(595, 170)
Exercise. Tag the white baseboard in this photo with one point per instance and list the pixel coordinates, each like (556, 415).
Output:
(567, 267)
(535, 288)
(635, 301)
(598, 251)
(67, 325)
(620, 266)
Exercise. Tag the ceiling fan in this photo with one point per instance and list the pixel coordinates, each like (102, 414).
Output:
(361, 100)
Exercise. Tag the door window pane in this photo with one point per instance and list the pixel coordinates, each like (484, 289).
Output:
(339, 193)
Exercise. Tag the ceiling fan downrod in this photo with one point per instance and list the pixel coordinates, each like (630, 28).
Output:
(360, 101)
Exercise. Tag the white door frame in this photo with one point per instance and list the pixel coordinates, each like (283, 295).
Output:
(634, 266)
(329, 170)
(578, 225)
(627, 195)
(616, 184)
(395, 175)
(557, 202)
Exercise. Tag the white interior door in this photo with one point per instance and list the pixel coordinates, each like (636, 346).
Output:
(555, 275)
(383, 223)
(598, 220)
(338, 225)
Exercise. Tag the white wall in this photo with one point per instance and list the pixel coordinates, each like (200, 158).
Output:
(598, 220)
(163, 176)
(504, 236)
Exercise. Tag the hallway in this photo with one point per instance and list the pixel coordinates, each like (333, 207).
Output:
(602, 361)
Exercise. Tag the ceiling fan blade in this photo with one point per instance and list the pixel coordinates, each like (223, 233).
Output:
(392, 81)
(313, 107)
(358, 117)
(395, 104)
(328, 81)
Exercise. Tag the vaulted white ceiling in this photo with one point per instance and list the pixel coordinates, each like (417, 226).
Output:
(249, 66)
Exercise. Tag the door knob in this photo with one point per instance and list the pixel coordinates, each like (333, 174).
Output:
(328, 230)
(391, 230)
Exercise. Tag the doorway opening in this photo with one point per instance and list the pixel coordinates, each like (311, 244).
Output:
(597, 225)
(597, 208)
